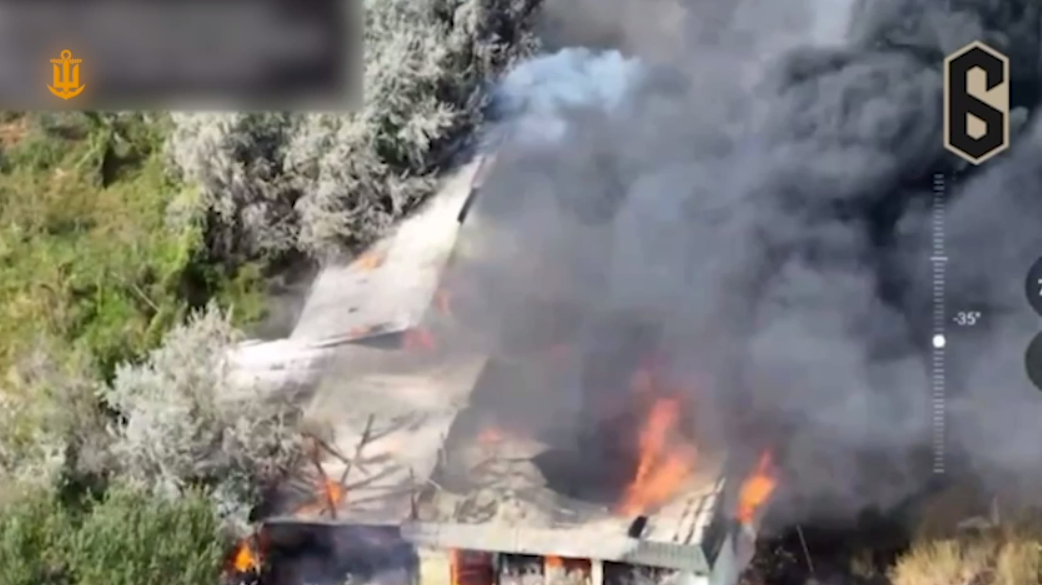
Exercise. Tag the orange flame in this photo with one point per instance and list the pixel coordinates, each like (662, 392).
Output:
(333, 492)
(569, 566)
(660, 470)
(455, 567)
(328, 493)
(245, 559)
(757, 489)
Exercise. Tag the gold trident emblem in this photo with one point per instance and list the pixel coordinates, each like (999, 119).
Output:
(67, 77)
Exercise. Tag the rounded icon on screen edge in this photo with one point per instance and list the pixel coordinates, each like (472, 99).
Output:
(1033, 361)
(1033, 286)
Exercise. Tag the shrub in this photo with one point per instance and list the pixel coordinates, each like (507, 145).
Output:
(90, 262)
(36, 533)
(429, 65)
(131, 538)
(127, 538)
(323, 183)
(51, 427)
(236, 159)
(184, 425)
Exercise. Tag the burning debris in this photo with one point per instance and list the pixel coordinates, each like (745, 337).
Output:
(248, 562)
(245, 564)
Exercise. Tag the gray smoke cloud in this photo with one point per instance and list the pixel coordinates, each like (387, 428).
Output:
(752, 179)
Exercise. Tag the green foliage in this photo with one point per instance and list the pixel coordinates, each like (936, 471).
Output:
(50, 424)
(88, 259)
(130, 539)
(321, 184)
(127, 538)
(94, 272)
(104, 255)
(185, 422)
(35, 537)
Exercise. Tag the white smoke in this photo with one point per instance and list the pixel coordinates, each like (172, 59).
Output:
(536, 95)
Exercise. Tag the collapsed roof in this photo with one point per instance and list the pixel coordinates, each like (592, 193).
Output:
(410, 421)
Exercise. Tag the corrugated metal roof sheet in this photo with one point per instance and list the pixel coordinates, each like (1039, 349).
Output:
(390, 286)
(389, 413)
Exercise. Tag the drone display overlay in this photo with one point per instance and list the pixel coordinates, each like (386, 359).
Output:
(521, 292)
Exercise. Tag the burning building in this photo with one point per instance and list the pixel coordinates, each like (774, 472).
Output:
(463, 457)
(629, 497)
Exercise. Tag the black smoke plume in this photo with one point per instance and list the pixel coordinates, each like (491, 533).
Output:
(754, 180)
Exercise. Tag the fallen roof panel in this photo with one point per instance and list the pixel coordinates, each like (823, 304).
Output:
(388, 420)
(390, 286)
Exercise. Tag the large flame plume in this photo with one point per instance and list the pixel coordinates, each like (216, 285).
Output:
(665, 460)
(757, 489)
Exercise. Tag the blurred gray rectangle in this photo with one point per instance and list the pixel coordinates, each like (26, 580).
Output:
(180, 54)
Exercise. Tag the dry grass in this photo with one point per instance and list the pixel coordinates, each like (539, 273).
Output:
(968, 535)
(865, 568)
(13, 129)
(947, 562)
(999, 555)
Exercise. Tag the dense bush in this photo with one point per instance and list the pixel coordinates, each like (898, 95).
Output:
(36, 531)
(183, 424)
(93, 274)
(175, 423)
(51, 426)
(322, 183)
(132, 538)
(91, 263)
(237, 161)
(127, 538)
(187, 453)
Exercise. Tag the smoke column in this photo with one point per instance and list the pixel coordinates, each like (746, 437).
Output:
(754, 178)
